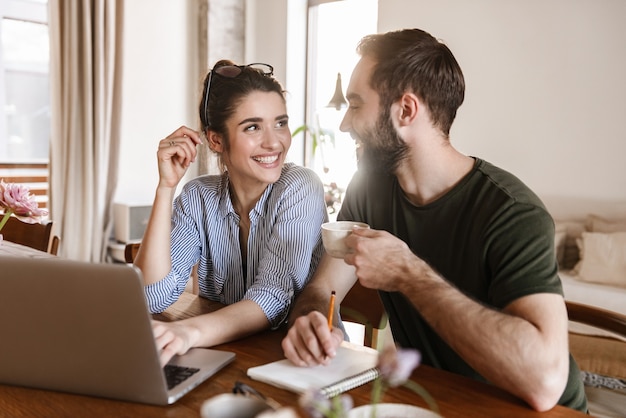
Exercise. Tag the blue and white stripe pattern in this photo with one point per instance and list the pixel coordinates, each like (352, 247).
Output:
(284, 245)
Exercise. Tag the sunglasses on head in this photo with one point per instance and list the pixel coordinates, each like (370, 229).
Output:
(232, 71)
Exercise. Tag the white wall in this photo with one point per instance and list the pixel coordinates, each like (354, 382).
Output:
(546, 96)
(162, 84)
(160, 88)
(276, 34)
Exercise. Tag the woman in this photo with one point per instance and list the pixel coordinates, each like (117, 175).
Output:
(253, 231)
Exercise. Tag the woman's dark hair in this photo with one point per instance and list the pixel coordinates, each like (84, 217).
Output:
(227, 92)
(413, 60)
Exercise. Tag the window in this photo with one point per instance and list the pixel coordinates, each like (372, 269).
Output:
(25, 94)
(334, 32)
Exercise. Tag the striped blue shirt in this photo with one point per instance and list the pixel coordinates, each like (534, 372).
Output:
(284, 244)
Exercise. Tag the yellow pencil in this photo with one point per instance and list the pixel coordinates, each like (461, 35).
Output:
(331, 309)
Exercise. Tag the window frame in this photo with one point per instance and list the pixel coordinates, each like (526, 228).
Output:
(30, 172)
(33, 11)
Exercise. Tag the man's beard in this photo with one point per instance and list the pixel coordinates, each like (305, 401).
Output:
(382, 147)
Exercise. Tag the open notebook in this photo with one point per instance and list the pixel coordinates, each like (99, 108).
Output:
(85, 328)
(353, 366)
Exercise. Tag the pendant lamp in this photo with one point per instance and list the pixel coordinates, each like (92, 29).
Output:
(338, 101)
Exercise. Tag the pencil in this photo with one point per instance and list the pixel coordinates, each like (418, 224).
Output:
(331, 308)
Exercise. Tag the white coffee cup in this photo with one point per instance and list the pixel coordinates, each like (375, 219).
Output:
(334, 236)
(230, 405)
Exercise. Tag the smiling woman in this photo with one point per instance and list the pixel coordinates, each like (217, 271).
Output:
(253, 231)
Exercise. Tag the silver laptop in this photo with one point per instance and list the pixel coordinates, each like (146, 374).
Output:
(85, 328)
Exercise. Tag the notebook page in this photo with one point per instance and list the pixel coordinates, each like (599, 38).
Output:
(351, 361)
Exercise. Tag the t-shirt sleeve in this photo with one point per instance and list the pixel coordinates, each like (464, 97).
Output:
(520, 254)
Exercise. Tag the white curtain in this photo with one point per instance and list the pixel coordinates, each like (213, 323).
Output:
(85, 79)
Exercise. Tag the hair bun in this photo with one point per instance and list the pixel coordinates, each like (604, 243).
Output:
(222, 63)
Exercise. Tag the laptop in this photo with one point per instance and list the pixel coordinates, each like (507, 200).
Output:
(84, 328)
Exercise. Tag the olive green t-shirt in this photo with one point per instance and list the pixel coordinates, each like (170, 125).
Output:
(490, 236)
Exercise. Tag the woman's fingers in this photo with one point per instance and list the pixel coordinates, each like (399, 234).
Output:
(175, 154)
(187, 133)
(180, 146)
(167, 341)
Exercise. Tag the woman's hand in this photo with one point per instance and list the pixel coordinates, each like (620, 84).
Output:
(173, 338)
(175, 155)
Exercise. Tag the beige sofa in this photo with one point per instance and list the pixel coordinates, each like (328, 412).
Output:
(591, 247)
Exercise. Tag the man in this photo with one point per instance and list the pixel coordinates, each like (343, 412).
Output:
(460, 251)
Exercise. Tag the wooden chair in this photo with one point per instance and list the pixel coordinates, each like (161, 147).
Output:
(596, 317)
(54, 246)
(602, 357)
(363, 306)
(130, 252)
(37, 235)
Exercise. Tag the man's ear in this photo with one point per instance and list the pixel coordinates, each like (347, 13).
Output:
(215, 141)
(408, 106)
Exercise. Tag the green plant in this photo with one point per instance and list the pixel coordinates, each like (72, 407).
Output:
(318, 135)
(319, 138)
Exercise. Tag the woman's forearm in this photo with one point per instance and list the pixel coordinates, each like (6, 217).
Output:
(153, 258)
(227, 324)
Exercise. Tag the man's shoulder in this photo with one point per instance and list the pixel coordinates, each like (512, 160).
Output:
(508, 184)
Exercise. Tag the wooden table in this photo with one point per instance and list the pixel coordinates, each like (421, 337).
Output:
(456, 396)
(17, 250)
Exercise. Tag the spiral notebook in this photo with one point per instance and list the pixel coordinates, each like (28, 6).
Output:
(353, 366)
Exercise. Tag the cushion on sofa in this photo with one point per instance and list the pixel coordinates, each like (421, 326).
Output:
(596, 223)
(602, 258)
(565, 236)
(567, 248)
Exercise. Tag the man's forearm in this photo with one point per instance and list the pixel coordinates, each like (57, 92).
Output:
(332, 274)
(311, 299)
(522, 349)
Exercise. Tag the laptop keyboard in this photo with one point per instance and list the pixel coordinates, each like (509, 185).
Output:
(177, 374)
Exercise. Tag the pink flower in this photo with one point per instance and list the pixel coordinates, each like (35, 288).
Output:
(316, 405)
(397, 364)
(17, 199)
